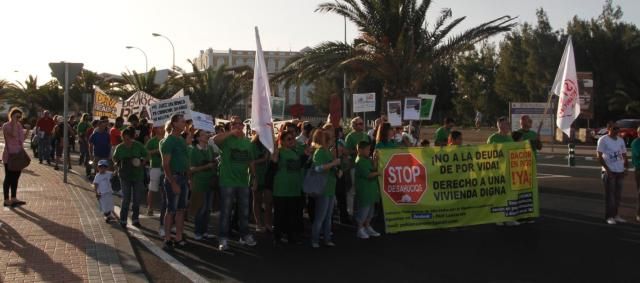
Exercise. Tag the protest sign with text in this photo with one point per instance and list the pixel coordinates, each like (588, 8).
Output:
(138, 104)
(430, 188)
(106, 105)
(162, 110)
(202, 121)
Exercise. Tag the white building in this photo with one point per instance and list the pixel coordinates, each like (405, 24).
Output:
(275, 61)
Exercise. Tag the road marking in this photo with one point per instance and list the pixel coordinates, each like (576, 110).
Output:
(170, 260)
(546, 176)
(577, 166)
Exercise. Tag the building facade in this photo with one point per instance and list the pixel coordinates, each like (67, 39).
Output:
(275, 61)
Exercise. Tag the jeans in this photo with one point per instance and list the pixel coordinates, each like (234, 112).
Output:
(227, 196)
(10, 182)
(130, 188)
(201, 220)
(44, 148)
(322, 219)
(365, 213)
(84, 152)
(613, 191)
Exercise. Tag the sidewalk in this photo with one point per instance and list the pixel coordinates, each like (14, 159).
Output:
(59, 235)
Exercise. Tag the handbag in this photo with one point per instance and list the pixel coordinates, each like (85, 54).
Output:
(18, 160)
(314, 182)
(115, 182)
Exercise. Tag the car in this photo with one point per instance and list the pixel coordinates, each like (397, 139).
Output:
(628, 130)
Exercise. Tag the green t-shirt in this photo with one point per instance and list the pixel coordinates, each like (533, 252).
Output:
(261, 168)
(635, 153)
(354, 138)
(367, 189)
(122, 156)
(441, 136)
(387, 144)
(237, 153)
(288, 179)
(81, 129)
(323, 156)
(156, 159)
(176, 147)
(201, 180)
(498, 138)
(530, 136)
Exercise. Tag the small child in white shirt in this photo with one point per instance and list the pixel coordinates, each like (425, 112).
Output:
(104, 194)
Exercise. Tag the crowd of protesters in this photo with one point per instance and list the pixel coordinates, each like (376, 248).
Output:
(195, 172)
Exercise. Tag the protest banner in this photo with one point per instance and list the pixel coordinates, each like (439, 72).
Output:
(106, 105)
(161, 111)
(364, 102)
(137, 104)
(412, 109)
(433, 187)
(202, 121)
(394, 112)
(426, 106)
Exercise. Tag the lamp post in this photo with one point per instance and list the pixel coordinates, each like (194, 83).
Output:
(173, 49)
(146, 62)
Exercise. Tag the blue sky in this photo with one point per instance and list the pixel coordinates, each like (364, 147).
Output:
(36, 32)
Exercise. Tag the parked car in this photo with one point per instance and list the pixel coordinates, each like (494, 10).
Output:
(628, 130)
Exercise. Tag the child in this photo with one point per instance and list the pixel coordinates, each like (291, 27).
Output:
(367, 191)
(102, 184)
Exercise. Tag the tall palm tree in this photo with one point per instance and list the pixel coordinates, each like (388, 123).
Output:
(133, 81)
(217, 91)
(394, 45)
(24, 95)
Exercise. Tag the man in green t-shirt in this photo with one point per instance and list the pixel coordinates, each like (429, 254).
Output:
(635, 160)
(129, 157)
(502, 136)
(236, 165)
(528, 134)
(442, 133)
(155, 171)
(175, 165)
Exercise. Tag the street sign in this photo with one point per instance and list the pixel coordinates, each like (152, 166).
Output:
(57, 70)
(405, 179)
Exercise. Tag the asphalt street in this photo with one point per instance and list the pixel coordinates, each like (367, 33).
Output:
(569, 243)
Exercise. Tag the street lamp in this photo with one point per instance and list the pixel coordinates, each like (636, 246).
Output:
(173, 49)
(146, 62)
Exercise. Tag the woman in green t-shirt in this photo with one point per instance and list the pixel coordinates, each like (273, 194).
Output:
(203, 167)
(323, 161)
(384, 137)
(367, 190)
(262, 193)
(287, 188)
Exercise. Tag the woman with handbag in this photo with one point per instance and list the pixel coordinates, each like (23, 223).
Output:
(324, 162)
(14, 157)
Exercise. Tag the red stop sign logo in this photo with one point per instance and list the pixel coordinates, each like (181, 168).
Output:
(405, 179)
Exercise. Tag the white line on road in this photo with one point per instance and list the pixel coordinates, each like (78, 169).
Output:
(577, 166)
(173, 262)
(546, 176)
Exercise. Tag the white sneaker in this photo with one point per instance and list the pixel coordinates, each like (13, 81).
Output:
(161, 232)
(173, 229)
(611, 221)
(362, 234)
(315, 245)
(638, 218)
(223, 246)
(512, 223)
(372, 232)
(248, 240)
(197, 237)
(619, 219)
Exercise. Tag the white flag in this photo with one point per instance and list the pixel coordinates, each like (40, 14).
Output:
(565, 87)
(261, 121)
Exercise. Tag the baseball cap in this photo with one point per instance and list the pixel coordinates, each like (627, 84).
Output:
(103, 162)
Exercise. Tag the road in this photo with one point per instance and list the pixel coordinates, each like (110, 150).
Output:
(569, 243)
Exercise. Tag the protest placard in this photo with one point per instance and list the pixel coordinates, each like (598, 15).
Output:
(106, 105)
(202, 121)
(162, 110)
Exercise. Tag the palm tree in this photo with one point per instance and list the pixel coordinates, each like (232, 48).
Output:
(394, 46)
(133, 81)
(24, 95)
(217, 91)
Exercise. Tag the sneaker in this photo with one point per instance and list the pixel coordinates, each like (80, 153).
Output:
(173, 229)
(315, 245)
(362, 234)
(619, 219)
(372, 232)
(198, 237)
(181, 244)
(611, 221)
(137, 224)
(512, 223)
(248, 240)
(329, 244)
(123, 224)
(161, 232)
(168, 245)
(638, 218)
(500, 224)
(208, 236)
(223, 246)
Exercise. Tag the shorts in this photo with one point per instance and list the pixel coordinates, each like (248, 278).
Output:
(175, 201)
(155, 178)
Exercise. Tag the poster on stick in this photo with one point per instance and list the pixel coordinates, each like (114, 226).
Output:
(412, 109)
(364, 102)
(426, 106)
(202, 121)
(162, 110)
(138, 104)
(394, 112)
(106, 105)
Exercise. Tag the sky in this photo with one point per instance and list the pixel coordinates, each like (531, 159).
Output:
(37, 32)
